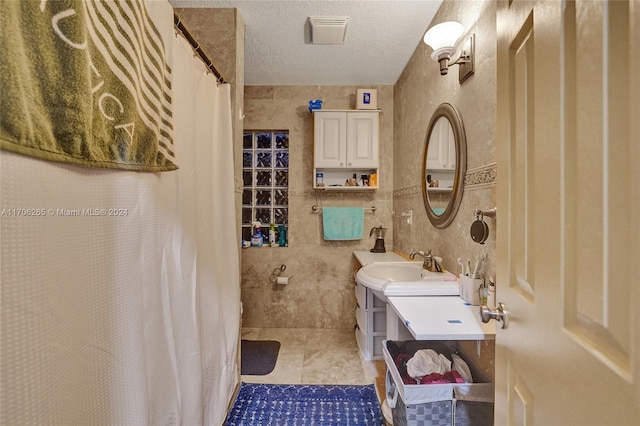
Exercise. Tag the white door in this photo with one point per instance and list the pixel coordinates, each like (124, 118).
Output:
(568, 234)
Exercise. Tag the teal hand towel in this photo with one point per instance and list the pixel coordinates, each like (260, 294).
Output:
(342, 223)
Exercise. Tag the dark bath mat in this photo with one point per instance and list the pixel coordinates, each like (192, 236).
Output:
(258, 357)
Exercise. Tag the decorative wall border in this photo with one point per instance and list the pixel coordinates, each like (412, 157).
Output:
(407, 191)
(482, 176)
(479, 177)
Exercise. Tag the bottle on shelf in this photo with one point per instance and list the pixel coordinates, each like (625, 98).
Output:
(282, 241)
(272, 235)
(257, 239)
(373, 180)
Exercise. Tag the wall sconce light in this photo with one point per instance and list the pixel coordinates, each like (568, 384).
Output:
(442, 39)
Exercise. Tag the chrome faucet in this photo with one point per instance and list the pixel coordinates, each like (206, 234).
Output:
(428, 261)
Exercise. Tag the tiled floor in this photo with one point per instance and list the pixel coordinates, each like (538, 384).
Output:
(317, 356)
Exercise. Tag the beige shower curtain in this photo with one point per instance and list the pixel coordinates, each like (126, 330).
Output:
(120, 297)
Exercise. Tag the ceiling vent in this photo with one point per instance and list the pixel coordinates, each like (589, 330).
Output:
(328, 29)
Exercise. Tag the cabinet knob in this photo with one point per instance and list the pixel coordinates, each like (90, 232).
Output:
(444, 165)
(453, 165)
(349, 164)
(341, 163)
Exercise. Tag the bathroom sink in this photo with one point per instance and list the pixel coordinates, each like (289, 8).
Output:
(400, 271)
(406, 279)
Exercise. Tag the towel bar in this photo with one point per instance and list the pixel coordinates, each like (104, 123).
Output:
(317, 210)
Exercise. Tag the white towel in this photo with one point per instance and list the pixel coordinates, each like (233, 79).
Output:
(427, 361)
(462, 367)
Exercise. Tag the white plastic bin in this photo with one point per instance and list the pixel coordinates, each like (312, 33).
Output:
(439, 404)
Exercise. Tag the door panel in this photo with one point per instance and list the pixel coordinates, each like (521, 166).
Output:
(520, 399)
(597, 303)
(567, 246)
(522, 235)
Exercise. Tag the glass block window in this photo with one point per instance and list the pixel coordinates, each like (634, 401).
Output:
(265, 171)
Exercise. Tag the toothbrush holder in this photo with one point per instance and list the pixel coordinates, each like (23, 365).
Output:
(470, 289)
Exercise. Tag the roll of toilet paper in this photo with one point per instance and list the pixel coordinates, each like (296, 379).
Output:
(283, 280)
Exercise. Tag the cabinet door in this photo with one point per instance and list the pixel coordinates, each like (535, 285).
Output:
(451, 149)
(441, 154)
(362, 139)
(330, 139)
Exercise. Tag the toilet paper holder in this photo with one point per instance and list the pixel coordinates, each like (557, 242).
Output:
(277, 272)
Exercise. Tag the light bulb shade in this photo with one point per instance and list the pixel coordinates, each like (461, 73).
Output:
(443, 35)
(442, 53)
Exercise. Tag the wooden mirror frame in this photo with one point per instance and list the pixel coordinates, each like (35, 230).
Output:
(450, 113)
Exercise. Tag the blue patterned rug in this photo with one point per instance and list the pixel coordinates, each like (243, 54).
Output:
(305, 405)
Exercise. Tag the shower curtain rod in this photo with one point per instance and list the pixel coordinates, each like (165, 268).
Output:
(196, 48)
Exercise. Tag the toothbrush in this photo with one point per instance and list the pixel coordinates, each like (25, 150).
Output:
(468, 271)
(479, 263)
(461, 266)
(476, 269)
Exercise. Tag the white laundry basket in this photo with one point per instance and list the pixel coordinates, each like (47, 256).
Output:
(466, 404)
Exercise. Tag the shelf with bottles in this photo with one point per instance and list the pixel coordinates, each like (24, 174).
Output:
(346, 180)
(440, 180)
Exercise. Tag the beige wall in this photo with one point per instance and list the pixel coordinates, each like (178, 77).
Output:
(418, 92)
(321, 292)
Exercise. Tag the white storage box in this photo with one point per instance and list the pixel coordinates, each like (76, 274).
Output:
(367, 99)
(438, 404)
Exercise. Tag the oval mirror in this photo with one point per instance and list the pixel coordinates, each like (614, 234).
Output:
(444, 164)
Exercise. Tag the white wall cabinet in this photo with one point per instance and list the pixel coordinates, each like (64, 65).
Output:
(346, 142)
(441, 154)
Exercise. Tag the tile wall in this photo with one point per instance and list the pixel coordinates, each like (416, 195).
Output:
(418, 92)
(320, 294)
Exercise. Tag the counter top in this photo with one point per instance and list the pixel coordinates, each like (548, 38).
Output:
(432, 317)
(441, 318)
(367, 257)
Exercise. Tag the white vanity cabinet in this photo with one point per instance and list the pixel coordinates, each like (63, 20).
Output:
(371, 312)
(371, 327)
(345, 143)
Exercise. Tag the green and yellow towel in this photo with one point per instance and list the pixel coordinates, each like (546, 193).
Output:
(85, 82)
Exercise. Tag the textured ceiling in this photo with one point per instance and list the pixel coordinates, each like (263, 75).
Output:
(381, 37)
